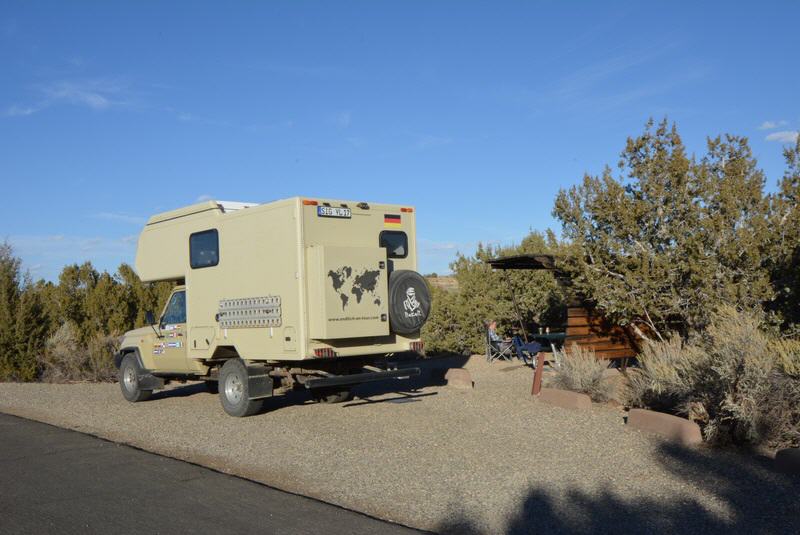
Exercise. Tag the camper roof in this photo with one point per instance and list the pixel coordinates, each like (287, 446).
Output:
(223, 206)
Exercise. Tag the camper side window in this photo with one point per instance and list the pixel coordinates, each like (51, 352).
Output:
(204, 249)
(395, 242)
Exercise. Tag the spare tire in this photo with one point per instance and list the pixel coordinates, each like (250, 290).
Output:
(409, 301)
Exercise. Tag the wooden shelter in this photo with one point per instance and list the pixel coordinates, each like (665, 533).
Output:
(585, 324)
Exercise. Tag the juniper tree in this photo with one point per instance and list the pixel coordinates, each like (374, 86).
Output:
(9, 298)
(30, 332)
(672, 237)
(785, 253)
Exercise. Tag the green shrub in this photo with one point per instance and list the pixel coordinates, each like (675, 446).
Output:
(443, 332)
(579, 370)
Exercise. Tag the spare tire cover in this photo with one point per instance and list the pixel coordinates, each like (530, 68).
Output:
(409, 301)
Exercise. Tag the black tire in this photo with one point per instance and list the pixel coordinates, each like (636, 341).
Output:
(212, 386)
(332, 395)
(409, 301)
(128, 377)
(234, 392)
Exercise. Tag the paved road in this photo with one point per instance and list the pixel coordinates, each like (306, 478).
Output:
(57, 481)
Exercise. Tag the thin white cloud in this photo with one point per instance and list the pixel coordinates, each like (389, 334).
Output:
(770, 125)
(98, 94)
(20, 111)
(48, 254)
(61, 248)
(122, 218)
(204, 197)
(784, 136)
(437, 247)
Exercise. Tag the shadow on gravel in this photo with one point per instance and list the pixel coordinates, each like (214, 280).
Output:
(432, 372)
(180, 391)
(758, 500)
(401, 397)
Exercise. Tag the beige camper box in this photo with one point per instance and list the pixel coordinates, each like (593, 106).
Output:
(270, 296)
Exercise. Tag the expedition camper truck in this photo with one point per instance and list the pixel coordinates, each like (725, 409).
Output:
(269, 297)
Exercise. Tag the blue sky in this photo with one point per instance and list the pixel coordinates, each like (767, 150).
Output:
(474, 112)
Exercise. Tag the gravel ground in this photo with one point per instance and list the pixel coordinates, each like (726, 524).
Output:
(488, 460)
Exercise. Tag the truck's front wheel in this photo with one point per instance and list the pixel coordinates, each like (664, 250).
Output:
(234, 392)
(129, 380)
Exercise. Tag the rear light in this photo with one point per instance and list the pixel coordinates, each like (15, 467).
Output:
(407, 210)
(325, 352)
(309, 202)
(418, 347)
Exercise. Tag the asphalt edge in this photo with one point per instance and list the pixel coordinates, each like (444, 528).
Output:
(259, 483)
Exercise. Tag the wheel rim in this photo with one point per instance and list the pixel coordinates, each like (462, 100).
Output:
(129, 378)
(234, 389)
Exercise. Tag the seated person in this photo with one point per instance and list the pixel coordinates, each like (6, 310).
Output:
(500, 343)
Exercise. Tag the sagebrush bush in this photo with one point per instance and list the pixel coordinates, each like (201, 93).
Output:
(662, 381)
(62, 357)
(787, 352)
(733, 379)
(65, 359)
(579, 370)
(100, 358)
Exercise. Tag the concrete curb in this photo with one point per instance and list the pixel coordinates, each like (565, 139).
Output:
(459, 378)
(668, 426)
(565, 398)
(788, 461)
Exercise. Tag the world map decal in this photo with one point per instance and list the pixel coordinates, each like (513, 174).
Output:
(346, 282)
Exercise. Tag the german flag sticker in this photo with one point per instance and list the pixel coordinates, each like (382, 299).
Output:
(391, 221)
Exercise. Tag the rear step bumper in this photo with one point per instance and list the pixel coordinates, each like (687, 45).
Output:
(358, 378)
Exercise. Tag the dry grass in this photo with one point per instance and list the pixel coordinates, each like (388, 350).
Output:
(579, 370)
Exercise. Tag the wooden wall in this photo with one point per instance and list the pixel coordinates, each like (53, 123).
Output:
(591, 330)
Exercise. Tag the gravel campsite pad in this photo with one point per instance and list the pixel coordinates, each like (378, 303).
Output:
(437, 458)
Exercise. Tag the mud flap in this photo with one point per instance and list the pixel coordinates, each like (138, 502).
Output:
(148, 381)
(259, 382)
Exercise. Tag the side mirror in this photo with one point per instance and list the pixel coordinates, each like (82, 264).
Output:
(149, 318)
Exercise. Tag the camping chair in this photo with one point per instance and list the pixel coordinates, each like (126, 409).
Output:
(497, 350)
(526, 352)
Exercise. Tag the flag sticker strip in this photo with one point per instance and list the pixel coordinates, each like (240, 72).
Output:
(391, 220)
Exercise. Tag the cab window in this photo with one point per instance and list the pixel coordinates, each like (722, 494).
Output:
(204, 249)
(395, 242)
(176, 309)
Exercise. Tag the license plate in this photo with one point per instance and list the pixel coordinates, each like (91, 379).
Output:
(329, 211)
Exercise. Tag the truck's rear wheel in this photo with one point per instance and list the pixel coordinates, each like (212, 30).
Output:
(234, 392)
(129, 380)
(331, 395)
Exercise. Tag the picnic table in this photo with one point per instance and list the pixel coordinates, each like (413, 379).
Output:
(549, 339)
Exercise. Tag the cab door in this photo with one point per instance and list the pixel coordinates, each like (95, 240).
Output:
(169, 351)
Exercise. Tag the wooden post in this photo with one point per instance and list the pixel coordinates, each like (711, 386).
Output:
(537, 374)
